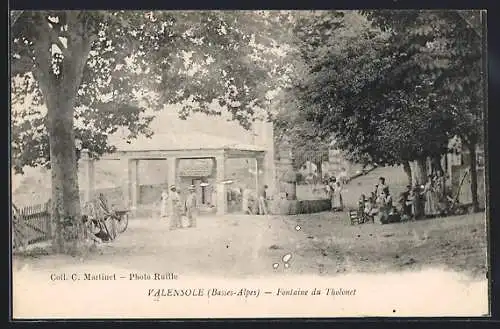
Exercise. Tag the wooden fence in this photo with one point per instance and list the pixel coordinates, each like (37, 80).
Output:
(31, 225)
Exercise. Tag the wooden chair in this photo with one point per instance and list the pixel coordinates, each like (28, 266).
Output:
(355, 217)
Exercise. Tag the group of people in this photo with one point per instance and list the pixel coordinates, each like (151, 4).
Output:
(378, 205)
(174, 207)
(427, 201)
(414, 202)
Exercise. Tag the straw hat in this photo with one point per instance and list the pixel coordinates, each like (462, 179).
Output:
(192, 188)
(172, 187)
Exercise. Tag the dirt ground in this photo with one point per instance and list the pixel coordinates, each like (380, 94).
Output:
(454, 243)
(324, 244)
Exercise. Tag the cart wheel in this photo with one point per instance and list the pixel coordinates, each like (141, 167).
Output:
(122, 223)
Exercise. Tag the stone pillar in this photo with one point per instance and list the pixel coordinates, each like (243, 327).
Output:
(134, 183)
(124, 164)
(88, 173)
(289, 177)
(260, 176)
(172, 171)
(171, 178)
(221, 201)
(264, 137)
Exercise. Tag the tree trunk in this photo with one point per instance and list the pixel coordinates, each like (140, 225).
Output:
(319, 170)
(421, 171)
(473, 177)
(59, 92)
(436, 164)
(407, 170)
(65, 191)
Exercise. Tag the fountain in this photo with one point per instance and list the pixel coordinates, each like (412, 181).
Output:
(287, 202)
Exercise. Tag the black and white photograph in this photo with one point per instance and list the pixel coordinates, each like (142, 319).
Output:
(194, 164)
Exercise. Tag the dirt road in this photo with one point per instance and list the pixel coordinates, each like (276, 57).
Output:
(325, 243)
(248, 251)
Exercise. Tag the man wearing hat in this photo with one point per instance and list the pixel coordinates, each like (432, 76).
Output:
(175, 205)
(191, 206)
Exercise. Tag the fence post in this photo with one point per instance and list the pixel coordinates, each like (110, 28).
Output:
(48, 220)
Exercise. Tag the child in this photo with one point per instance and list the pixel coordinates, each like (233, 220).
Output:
(370, 209)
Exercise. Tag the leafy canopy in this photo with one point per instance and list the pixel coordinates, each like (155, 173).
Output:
(138, 62)
(394, 87)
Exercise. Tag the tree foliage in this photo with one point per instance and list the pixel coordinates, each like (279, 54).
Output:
(395, 87)
(138, 62)
(452, 60)
(307, 139)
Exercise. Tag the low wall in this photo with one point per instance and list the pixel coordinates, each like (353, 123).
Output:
(295, 207)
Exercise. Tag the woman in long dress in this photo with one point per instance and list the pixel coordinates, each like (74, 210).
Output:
(175, 210)
(430, 206)
(337, 202)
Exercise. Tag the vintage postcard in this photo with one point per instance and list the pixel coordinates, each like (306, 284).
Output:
(248, 164)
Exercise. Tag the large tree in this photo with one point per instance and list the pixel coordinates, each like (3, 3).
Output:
(308, 143)
(104, 69)
(356, 91)
(378, 86)
(454, 61)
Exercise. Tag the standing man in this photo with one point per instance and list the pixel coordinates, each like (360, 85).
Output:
(175, 205)
(263, 201)
(191, 206)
